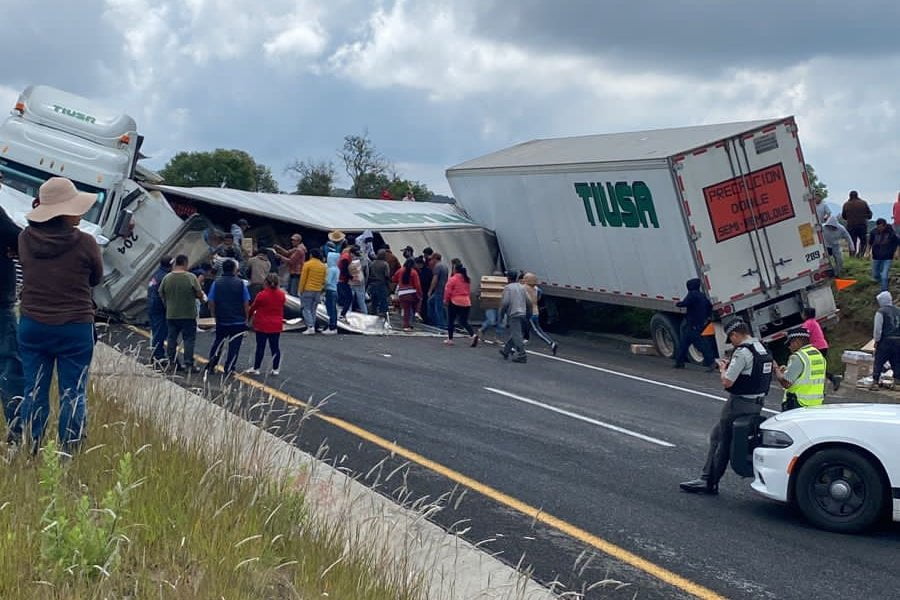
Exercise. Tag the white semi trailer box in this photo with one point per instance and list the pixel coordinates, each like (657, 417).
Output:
(628, 218)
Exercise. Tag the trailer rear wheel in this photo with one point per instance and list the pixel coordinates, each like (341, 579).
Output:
(664, 332)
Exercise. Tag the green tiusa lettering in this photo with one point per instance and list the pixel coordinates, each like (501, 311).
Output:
(618, 204)
(73, 113)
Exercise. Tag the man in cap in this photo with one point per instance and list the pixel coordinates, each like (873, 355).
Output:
(886, 333)
(747, 378)
(238, 229)
(803, 379)
(296, 256)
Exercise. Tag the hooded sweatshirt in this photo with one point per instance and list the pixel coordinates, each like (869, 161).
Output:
(883, 243)
(333, 273)
(834, 232)
(697, 305)
(60, 265)
(887, 319)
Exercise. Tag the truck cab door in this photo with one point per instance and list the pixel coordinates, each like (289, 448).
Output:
(134, 251)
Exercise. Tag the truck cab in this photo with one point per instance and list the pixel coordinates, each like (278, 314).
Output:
(52, 133)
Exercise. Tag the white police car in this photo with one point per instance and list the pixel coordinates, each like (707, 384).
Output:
(838, 463)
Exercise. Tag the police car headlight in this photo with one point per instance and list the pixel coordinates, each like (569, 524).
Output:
(772, 438)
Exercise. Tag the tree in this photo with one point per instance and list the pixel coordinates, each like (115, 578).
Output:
(364, 164)
(314, 178)
(233, 169)
(265, 181)
(398, 188)
(818, 188)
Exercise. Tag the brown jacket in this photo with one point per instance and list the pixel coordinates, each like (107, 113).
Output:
(856, 211)
(60, 265)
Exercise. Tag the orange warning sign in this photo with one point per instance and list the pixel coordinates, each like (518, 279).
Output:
(843, 284)
(742, 204)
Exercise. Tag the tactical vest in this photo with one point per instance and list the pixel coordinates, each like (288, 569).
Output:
(760, 378)
(809, 389)
(890, 325)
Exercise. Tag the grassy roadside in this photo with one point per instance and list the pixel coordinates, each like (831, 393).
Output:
(857, 306)
(140, 515)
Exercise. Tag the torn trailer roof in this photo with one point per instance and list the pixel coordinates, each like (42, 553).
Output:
(328, 213)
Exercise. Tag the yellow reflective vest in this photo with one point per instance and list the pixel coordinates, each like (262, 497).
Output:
(809, 388)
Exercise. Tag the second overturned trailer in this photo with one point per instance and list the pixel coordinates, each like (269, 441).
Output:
(628, 218)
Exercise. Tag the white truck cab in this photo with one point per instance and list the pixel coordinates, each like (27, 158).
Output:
(54, 133)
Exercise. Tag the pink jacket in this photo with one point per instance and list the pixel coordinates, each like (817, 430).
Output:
(458, 291)
(816, 335)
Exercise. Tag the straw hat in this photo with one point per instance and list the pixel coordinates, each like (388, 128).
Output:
(337, 236)
(58, 197)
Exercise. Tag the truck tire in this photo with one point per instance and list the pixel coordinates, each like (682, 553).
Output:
(664, 330)
(840, 490)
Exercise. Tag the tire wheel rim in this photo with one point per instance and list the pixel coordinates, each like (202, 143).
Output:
(665, 342)
(838, 490)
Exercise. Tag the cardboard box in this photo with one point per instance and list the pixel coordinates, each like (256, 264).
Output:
(492, 286)
(644, 350)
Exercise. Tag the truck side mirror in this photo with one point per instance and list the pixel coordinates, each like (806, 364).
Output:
(123, 223)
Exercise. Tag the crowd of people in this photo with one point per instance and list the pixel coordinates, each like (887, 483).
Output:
(344, 274)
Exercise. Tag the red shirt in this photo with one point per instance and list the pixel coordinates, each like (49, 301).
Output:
(458, 291)
(267, 311)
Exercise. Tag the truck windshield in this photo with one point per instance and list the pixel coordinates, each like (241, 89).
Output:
(27, 180)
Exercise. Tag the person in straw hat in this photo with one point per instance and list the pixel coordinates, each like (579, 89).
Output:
(60, 264)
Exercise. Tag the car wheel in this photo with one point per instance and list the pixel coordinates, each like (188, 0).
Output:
(840, 490)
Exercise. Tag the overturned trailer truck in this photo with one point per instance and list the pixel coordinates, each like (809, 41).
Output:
(137, 221)
(274, 217)
(627, 218)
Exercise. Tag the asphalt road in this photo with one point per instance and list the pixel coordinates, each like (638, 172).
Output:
(609, 464)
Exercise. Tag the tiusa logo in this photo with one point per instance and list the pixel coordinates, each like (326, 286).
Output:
(618, 205)
(73, 113)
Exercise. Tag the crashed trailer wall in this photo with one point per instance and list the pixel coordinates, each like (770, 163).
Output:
(475, 247)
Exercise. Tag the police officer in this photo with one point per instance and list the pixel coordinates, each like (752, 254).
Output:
(803, 379)
(747, 378)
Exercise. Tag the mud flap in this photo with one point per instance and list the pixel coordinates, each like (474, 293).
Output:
(744, 439)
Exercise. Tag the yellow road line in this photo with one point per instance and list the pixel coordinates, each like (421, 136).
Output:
(536, 514)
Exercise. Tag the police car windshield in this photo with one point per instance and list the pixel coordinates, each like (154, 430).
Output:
(27, 180)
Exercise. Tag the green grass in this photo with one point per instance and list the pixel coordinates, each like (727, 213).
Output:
(857, 306)
(139, 515)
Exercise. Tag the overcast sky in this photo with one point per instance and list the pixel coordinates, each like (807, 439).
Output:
(437, 82)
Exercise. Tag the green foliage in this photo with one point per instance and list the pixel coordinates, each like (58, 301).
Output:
(818, 188)
(76, 538)
(313, 178)
(372, 186)
(265, 182)
(233, 169)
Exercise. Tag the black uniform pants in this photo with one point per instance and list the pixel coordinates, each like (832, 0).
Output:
(720, 437)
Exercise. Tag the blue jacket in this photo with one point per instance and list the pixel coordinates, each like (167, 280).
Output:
(229, 293)
(699, 308)
(333, 273)
(155, 304)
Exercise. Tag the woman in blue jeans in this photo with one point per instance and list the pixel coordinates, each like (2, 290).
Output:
(60, 265)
